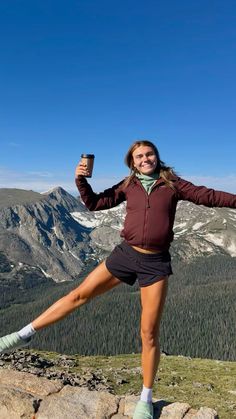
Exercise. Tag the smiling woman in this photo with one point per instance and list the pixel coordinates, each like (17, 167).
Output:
(145, 160)
(152, 192)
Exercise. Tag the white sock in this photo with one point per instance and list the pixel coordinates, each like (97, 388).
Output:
(27, 331)
(146, 395)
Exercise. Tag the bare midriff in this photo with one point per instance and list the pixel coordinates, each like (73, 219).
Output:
(139, 249)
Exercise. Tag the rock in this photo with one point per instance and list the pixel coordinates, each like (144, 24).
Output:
(24, 395)
(28, 383)
(190, 414)
(78, 403)
(175, 410)
(203, 413)
(15, 404)
(34, 364)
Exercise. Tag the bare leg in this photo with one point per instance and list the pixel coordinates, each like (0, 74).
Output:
(97, 282)
(152, 300)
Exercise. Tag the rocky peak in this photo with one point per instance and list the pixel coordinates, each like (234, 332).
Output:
(64, 198)
(38, 230)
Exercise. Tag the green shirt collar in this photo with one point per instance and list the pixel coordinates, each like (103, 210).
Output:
(147, 180)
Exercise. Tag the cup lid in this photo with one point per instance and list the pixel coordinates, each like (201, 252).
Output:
(88, 156)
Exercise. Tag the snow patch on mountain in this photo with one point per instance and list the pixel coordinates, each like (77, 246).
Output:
(197, 226)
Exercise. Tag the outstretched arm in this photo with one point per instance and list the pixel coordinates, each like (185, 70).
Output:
(201, 195)
(103, 200)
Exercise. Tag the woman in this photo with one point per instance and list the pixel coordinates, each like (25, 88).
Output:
(152, 192)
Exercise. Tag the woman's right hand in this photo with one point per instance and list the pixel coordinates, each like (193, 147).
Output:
(81, 170)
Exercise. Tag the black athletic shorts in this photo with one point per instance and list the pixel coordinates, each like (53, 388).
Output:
(127, 264)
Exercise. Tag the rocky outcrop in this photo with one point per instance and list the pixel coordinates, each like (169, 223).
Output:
(33, 387)
(24, 395)
(59, 369)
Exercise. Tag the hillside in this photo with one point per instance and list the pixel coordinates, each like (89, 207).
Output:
(198, 321)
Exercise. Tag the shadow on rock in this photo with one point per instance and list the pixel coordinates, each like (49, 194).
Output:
(158, 406)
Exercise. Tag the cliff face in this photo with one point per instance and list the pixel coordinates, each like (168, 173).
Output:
(39, 231)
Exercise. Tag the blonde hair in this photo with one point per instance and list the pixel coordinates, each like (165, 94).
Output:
(164, 171)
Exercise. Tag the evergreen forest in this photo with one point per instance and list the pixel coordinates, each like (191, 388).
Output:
(199, 317)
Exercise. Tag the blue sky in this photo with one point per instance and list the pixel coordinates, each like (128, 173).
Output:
(94, 76)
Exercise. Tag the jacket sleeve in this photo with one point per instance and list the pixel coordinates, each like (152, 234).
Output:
(104, 200)
(201, 195)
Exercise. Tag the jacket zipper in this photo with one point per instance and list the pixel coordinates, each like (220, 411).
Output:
(147, 206)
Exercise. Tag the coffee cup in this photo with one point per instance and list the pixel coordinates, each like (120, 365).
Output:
(88, 160)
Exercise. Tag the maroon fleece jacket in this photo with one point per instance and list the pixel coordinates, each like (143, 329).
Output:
(150, 217)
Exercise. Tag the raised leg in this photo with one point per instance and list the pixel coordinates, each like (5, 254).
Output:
(97, 282)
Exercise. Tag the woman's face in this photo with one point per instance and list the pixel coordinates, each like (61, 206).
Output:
(144, 160)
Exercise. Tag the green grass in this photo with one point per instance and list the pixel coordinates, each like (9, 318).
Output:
(199, 382)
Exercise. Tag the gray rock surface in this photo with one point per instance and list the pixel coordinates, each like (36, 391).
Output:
(15, 403)
(12, 197)
(78, 403)
(38, 230)
(24, 395)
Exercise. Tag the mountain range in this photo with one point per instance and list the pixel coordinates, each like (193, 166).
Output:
(54, 233)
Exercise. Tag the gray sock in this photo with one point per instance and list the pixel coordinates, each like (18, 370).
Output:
(27, 331)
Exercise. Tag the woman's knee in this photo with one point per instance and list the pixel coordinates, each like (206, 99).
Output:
(77, 297)
(149, 336)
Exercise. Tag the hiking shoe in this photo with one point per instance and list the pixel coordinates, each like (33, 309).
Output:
(13, 341)
(143, 410)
